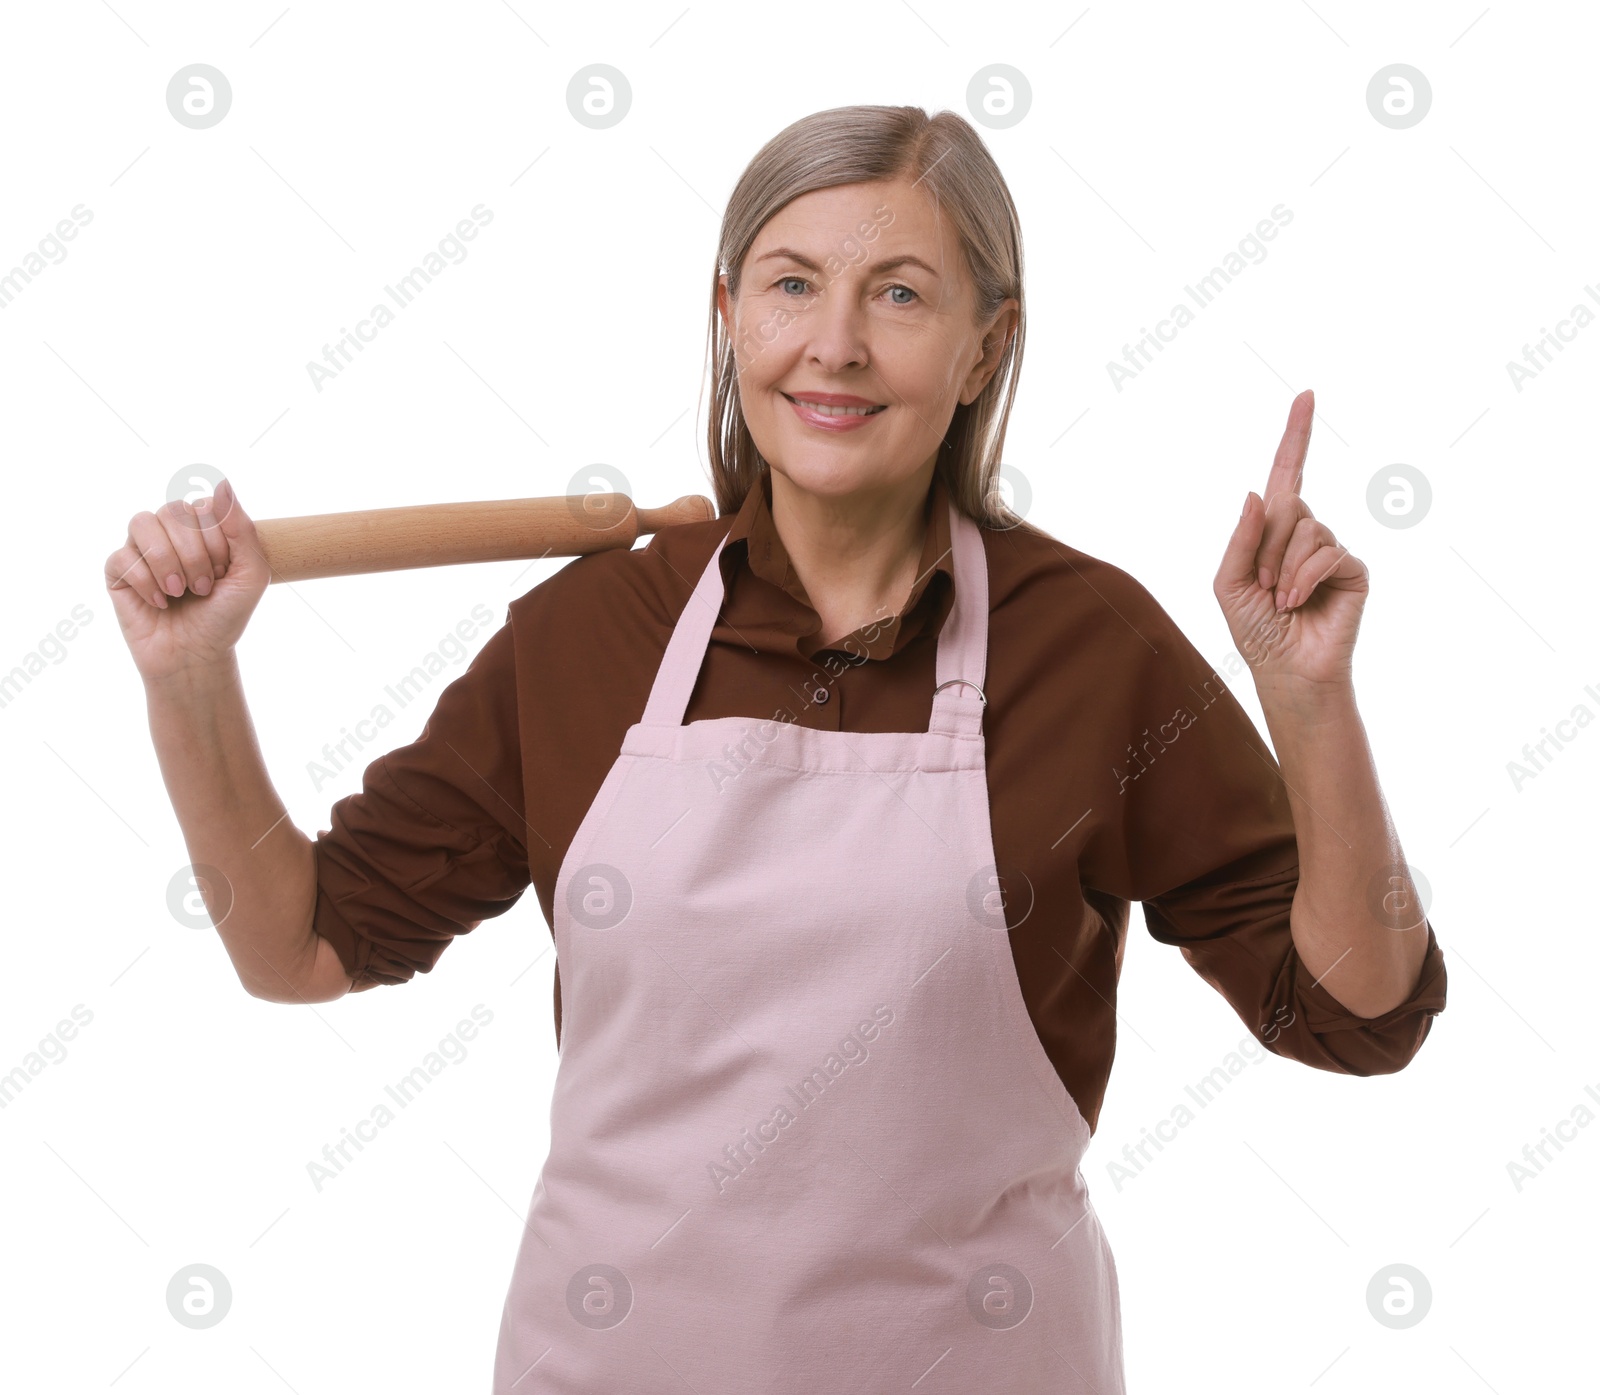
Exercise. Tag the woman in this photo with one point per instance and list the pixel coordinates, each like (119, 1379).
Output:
(836, 805)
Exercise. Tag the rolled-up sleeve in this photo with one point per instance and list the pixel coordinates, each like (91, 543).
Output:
(1208, 840)
(1234, 932)
(434, 843)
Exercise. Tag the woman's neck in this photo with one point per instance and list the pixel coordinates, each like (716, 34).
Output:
(857, 556)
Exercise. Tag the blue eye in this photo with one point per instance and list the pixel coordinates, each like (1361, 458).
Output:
(801, 281)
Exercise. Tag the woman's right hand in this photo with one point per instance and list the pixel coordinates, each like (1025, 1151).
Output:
(186, 582)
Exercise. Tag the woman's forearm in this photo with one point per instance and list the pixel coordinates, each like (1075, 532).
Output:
(1355, 919)
(235, 825)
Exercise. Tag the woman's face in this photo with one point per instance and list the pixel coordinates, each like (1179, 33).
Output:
(858, 296)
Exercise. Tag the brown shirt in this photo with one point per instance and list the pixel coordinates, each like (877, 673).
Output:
(1120, 769)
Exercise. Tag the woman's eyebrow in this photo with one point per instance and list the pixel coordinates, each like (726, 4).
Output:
(887, 264)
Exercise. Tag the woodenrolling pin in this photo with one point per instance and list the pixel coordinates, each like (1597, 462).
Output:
(444, 535)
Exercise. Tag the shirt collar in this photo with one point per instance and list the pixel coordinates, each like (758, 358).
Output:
(753, 544)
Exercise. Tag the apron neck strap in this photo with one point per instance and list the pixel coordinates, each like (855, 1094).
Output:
(958, 699)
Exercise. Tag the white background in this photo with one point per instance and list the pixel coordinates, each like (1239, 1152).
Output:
(177, 330)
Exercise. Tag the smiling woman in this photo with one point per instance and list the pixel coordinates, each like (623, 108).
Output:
(899, 319)
(851, 746)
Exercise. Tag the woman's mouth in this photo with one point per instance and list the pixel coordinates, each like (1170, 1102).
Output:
(834, 418)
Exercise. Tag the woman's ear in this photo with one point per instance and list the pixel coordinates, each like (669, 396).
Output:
(995, 341)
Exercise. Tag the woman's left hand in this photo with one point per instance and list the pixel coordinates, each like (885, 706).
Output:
(1279, 555)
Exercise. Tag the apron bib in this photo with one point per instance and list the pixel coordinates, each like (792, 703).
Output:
(803, 1134)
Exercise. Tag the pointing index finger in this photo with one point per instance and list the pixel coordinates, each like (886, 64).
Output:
(1288, 466)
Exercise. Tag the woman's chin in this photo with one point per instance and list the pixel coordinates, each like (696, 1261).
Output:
(828, 475)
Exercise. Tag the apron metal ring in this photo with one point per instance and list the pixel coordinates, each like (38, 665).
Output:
(969, 683)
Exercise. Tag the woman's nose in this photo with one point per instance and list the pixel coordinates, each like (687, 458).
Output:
(836, 330)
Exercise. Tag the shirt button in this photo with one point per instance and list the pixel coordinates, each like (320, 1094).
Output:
(822, 695)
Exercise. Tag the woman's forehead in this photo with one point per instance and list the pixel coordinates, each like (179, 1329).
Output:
(883, 214)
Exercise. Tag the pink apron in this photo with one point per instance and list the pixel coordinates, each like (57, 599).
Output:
(803, 1135)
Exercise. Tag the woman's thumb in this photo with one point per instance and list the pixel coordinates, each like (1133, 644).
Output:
(1237, 573)
(244, 547)
(231, 518)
